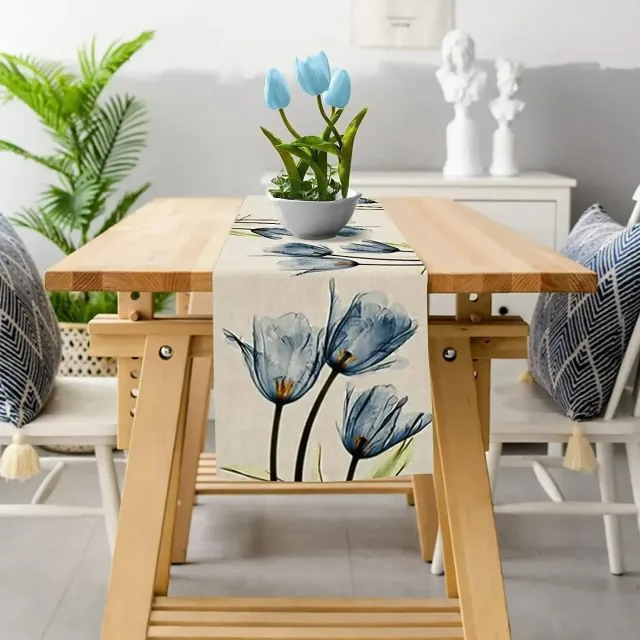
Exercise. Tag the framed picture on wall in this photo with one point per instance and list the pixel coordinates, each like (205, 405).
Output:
(415, 24)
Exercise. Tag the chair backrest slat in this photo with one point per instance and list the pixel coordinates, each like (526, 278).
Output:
(628, 366)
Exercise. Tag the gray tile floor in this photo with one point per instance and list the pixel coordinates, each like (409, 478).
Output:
(53, 573)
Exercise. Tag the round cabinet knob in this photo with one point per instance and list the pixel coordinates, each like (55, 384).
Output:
(503, 311)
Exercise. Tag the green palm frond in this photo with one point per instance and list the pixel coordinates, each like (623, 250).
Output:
(96, 74)
(71, 209)
(116, 136)
(37, 220)
(59, 164)
(82, 307)
(31, 90)
(123, 207)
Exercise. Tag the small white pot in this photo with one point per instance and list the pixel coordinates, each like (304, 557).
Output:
(315, 220)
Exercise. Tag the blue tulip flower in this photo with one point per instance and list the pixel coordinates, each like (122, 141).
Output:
(339, 92)
(271, 233)
(313, 74)
(358, 340)
(286, 356)
(351, 231)
(300, 250)
(370, 246)
(368, 203)
(284, 362)
(306, 265)
(372, 423)
(361, 339)
(276, 90)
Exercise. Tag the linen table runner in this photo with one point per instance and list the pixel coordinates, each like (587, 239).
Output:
(320, 352)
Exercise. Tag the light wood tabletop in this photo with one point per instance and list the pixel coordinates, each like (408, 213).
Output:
(172, 244)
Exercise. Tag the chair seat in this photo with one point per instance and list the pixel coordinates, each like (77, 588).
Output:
(526, 413)
(80, 410)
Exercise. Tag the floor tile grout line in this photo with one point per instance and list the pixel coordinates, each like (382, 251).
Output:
(72, 576)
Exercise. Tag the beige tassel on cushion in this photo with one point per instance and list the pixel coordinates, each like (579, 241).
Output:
(579, 455)
(526, 376)
(20, 460)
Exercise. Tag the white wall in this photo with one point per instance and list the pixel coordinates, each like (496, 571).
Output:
(247, 36)
(230, 43)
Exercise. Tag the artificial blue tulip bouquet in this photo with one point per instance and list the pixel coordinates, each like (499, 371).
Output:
(308, 173)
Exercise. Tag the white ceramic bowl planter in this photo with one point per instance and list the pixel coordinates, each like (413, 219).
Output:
(312, 220)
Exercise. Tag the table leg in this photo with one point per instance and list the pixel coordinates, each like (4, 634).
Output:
(426, 513)
(147, 480)
(477, 308)
(467, 491)
(451, 584)
(132, 306)
(195, 430)
(163, 570)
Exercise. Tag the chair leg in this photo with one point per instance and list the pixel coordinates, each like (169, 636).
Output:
(426, 513)
(493, 464)
(109, 491)
(633, 457)
(555, 450)
(607, 481)
(437, 564)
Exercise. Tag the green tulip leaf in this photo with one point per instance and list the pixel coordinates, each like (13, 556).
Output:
(303, 154)
(303, 167)
(348, 139)
(289, 163)
(247, 472)
(318, 144)
(396, 461)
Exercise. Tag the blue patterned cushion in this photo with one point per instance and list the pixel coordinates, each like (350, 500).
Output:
(577, 341)
(30, 342)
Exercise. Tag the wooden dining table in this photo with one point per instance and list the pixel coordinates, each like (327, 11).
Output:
(171, 245)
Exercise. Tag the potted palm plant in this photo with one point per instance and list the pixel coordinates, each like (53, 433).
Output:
(97, 142)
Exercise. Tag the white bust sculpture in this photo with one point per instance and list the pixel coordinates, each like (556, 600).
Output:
(505, 108)
(461, 82)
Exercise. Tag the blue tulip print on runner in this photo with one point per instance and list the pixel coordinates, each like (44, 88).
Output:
(375, 246)
(303, 265)
(276, 232)
(284, 362)
(362, 338)
(373, 423)
(300, 249)
(308, 258)
(359, 339)
(273, 233)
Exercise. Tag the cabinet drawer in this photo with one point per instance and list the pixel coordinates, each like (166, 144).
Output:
(536, 220)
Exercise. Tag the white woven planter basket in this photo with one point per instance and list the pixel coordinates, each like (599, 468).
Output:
(76, 361)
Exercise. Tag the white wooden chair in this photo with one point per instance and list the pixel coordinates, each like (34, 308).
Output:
(81, 411)
(523, 412)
